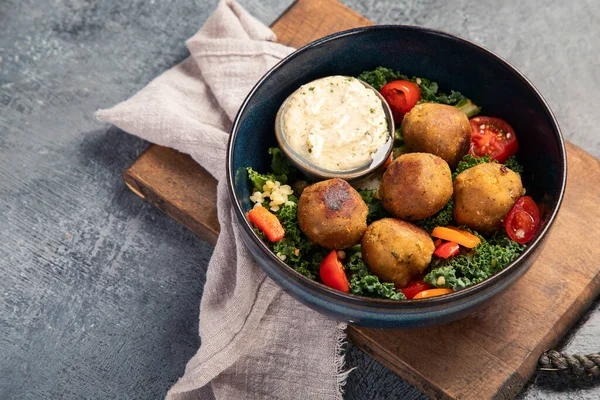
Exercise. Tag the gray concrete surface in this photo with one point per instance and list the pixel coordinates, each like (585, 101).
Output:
(99, 290)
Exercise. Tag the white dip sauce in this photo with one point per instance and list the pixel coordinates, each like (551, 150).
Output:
(336, 123)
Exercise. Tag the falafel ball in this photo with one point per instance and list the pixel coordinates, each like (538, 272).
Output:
(438, 129)
(396, 251)
(416, 186)
(484, 194)
(332, 214)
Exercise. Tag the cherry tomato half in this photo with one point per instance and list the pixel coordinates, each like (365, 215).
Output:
(494, 137)
(401, 96)
(522, 220)
(447, 249)
(415, 287)
(432, 293)
(332, 273)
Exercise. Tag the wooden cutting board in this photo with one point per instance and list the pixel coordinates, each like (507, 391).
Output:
(491, 354)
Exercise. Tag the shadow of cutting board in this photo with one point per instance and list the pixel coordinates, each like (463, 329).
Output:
(491, 354)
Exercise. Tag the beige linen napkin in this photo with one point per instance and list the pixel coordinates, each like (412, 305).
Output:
(257, 342)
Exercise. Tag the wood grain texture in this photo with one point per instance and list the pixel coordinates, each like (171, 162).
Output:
(188, 193)
(502, 343)
(308, 20)
(491, 354)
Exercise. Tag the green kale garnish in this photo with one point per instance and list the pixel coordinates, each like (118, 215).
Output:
(279, 163)
(468, 268)
(259, 180)
(376, 210)
(514, 165)
(380, 76)
(448, 273)
(469, 161)
(442, 218)
(398, 137)
(468, 107)
(300, 253)
(399, 147)
(430, 92)
(363, 283)
(281, 167)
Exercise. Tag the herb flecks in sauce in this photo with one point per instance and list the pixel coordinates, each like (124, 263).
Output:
(337, 124)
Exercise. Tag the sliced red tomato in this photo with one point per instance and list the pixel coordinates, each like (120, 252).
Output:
(415, 287)
(401, 96)
(332, 273)
(432, 293)
(446, 250)
(494, 137)
(522, 220)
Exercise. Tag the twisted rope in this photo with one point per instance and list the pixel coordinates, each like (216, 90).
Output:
(575, 364)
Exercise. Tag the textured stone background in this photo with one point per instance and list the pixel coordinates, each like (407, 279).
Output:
(99, 290)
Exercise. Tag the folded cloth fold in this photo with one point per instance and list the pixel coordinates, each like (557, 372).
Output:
(256, 341)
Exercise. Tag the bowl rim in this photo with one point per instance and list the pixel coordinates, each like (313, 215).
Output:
(351, 175)
(394, 306)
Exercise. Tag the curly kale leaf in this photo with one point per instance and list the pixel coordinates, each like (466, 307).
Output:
(259, 180)
(469, 161)
(445, 277)
(430, 92)
(363, 283)
(399, 147)
(380, 76)
(468, 107)
(376, 210)
(300, 253)
(466, 269)
(442, 218)
(398, 137)
(281, 170)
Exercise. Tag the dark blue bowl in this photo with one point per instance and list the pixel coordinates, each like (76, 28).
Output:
(453, 63)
